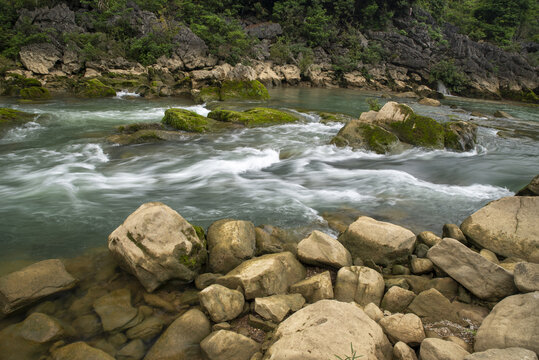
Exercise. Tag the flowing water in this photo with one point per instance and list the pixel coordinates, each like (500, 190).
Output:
(63, 188)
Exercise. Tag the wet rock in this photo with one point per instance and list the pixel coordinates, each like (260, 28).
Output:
(157, 301)
(361, 135)
(502, 114)
(265, 275)
(156, 244)
(421, 250)
(134, 350)
(39, 58)
(146, 330)
(460, 135)
(28, 285)
(87, 326)
(429, 102)
(526, 277)
(407, 328)
(115, 310)
(532, 189)
(326, 328)
(320, 249)
(428, 238)
(94, 88)
(397, 299)
(393, 112)
(253, 117)
(185, 120)
(315, 288)
(513, 322)
(512, 353)
(421, 266)
(432, 306)
(381, 242)
(80, 351)
(481, 277)
(436, 349)
(453, 231)
(181, 340)
(146, 136)
(360, 284)
(276, 307)
(266, 243)
(221, 303)
(401, 351)
(225, 345)
(202, 281)
(230, 242)
(10, 118)
(507, 227)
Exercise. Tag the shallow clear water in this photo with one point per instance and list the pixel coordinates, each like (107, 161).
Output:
(63, 188)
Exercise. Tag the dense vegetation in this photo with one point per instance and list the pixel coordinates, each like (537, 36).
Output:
(307, 24)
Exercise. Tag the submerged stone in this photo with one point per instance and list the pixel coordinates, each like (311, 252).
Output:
(11, 117)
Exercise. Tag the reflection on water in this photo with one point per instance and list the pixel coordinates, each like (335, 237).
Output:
(64, 188)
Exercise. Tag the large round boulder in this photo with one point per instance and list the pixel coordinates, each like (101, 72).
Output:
(157, 244)
(360, 284)
(320, 249)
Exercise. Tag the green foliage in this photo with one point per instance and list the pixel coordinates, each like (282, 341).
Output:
(147, 49)
(35, 93)
(374, 105)
(446, 72)
(353, 354)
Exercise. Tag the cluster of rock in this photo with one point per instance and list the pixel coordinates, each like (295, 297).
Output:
(378, 290)
(396, 126)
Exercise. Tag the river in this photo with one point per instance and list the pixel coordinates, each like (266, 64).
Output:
(63, 188)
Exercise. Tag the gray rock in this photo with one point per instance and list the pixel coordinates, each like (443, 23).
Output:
(453, 231)
(437, 349)
(360, 284)
(421, 266)
(202, 281)
(526, 277)
(276, 307)
(221, 303)
(146, 330)
(156, 244)
(407, 328)
(481, 277)
(513, 322)
(266, 243)
(381, 242)
(80, 351)
(320, 249)
(327, 328)
(428, 238)
(401, 351)
(265, 275)
(87, 326)
(191, 49)
(397, 299)
(315, 288)
(432, 306)
(230, 242)
(508, 227)
(513, 353)
(39, 58)
(28, 285)
(181, 340)
(532, 189)
(115, 310)
(225, 345)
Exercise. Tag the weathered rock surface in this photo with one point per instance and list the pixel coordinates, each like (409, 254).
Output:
(508, 226)
(28, 285)
(39, 58)
(276, 307)
(526, 277)
(432, 306)
(115, 310)
(360, 284)
(429, 102)
(513, 322)
(437, 349)
(396, 299)
(513, 353)
(134, 350)
(428, 238)
(373, 312)
(453, 231)
(481, 277)
(326, 328)
(230, 242)
(265, 275)
(407, 328)
(532, 189)
(381, 242)
(221, 303)
(421, 266)
(401, 351)
(225, 345)
(315, 288)
(147, 329)
(80, 351)
(181, 340)
(156, 244)
(320, 249)
(359, 134)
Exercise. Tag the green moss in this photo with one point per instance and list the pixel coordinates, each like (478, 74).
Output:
(419, 130)
(253, 117)
(327, 117)
(28, 82)
(185, 120)
(378, 139)
(35, 92)
(200, 232)
(188, 261)
(132, 128)
(12, 117)
(254, 90)
(210, 93)
(94, 88)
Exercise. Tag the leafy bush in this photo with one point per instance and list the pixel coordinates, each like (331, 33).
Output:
(446, 72)
(147, 49)
(374, 105)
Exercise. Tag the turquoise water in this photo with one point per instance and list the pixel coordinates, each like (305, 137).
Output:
(64, 188)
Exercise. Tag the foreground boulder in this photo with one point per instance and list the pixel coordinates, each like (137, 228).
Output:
(437, 349)
(185, 120)
(253, 117)
(225, 345)
(513, 322)
(181, 340)
(315, 288)
(28, 285)
(481, 277)
(460, 135)
(230, 242)
(327, 328)
(532, 189)
(381, 242)
(265, 275)
(360, 284)
(156, 244)
(80, 351)
(221, 303)
(526, 277)
(320, 249)
(513, 353)
(361, 135)
(276, 307)
(115, 310)
(407, 328)
(508, 227)
(10, 118)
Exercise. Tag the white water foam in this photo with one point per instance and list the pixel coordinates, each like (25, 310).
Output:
(22, 132)
(125, 93)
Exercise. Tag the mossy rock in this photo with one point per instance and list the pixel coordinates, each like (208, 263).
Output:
(419, 130)
(181, 119)
(253, 117)
(29, 82)
(94, 88)
(145, 136)
(11, 117)
(254, 90)
(35, 93)
(362, 135)
(210, 93)
(460, 135)
(132, 128)
(328, 117)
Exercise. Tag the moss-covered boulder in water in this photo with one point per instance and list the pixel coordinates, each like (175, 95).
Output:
(181, 119)
(361, 135)
(11, 117)
(94, 88)
(243, 90)
(253, 117)
(210, 93)
(419, 130)
(35, 93)
(460, 135)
